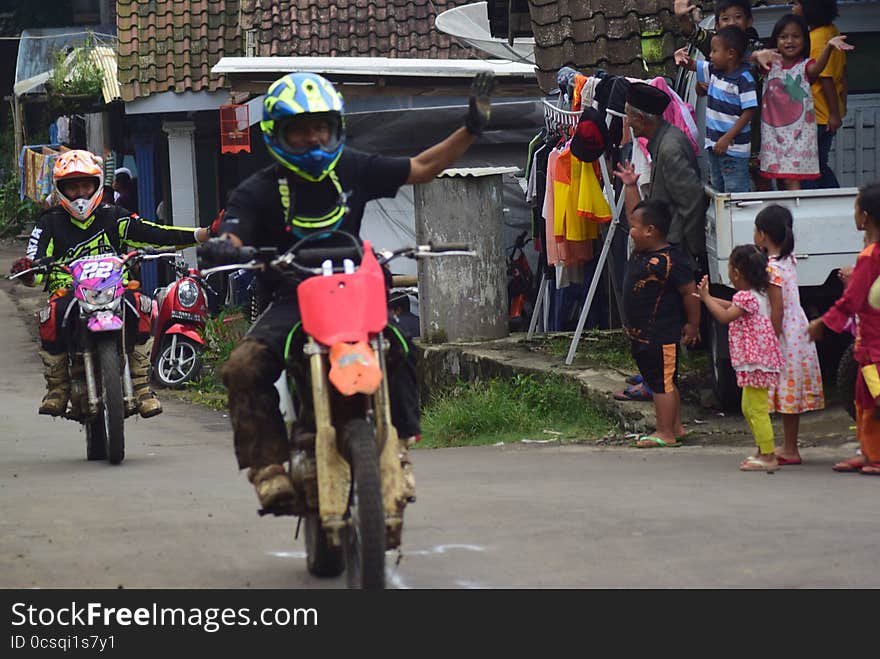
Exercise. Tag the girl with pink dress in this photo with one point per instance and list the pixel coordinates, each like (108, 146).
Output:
(799, 388)
(754, 348)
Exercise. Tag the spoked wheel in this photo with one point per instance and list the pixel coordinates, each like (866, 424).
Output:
(322, 560)
(364, 537)
(112, 408)
(180, 361)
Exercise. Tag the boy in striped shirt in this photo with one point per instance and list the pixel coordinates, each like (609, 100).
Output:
(731, 105)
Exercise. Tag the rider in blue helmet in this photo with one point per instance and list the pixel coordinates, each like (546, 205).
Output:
(316, 185)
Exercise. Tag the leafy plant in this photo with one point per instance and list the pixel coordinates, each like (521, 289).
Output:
(16, 214)
(75, 75)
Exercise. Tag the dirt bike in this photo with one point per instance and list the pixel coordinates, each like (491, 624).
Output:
(101, 390)
(178, 326)
(347, 473)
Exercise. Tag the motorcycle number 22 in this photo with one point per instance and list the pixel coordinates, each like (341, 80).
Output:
(96, 269)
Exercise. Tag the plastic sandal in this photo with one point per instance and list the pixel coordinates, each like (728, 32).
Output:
(652, 441)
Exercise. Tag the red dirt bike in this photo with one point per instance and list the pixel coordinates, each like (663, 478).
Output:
(348, 472)
(179, 318)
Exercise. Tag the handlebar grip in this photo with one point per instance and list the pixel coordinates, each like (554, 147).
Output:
(450, 247)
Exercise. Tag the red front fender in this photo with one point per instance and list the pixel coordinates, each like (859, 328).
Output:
(178, 328)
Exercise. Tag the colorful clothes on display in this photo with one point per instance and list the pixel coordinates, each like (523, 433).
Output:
(754, 348)
(799, 388)
(789, 143)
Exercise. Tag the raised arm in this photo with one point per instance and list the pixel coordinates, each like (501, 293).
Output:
(815, 68)
(430, 162)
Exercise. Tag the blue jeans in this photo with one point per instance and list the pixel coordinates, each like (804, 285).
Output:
(826, 179)
(729, 173)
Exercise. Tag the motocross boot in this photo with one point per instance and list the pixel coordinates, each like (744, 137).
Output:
(409, 479)
(139, 366)
(57, 384)
(273, 485)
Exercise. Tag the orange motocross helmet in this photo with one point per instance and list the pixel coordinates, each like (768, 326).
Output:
(78, 164)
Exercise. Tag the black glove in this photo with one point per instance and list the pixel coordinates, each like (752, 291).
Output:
(218, 251)
(24, 263)
(479, 106)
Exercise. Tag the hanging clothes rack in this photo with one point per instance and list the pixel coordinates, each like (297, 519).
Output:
(556, 116)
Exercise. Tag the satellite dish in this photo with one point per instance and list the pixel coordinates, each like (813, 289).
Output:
(470, 24)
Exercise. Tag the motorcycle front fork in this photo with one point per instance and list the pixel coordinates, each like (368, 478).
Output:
(333, 472)
(91, 378)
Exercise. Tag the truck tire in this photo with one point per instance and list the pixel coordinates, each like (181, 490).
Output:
(847, 372)
(723, 376)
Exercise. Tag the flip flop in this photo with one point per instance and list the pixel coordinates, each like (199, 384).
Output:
(849, 466)
(652, 441)
(871, 469)
(752, 463)
(786, 461)
(634, 379)
(634, 392)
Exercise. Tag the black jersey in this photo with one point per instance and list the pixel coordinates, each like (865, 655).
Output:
(255, 213)
(110, 229)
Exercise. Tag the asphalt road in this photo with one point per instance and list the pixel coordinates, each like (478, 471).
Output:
(177, 513)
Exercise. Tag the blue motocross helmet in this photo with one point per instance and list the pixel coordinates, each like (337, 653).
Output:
(294, 99)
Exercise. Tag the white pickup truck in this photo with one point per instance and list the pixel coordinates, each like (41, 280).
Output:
(824, 229)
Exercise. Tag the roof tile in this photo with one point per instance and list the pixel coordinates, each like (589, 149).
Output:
(172, 44)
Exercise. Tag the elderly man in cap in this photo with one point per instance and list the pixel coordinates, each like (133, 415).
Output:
(675, 176)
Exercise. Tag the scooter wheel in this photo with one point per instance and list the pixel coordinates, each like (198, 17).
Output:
(179, 362)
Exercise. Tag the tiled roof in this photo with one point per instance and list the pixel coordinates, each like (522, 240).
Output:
(170, 45)
(352, 28)
(592, 34)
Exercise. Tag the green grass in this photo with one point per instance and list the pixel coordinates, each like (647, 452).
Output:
(222, 334)
(506, 410)
(606, 348)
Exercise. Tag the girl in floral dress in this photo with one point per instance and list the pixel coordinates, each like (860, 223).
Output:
(789, 142)
(754, 348)
(799, 388)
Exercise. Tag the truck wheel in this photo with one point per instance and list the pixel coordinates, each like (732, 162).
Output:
(723, 375)
(847, 372)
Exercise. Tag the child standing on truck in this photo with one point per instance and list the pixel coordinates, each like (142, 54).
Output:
(754, 348)
(658, 295)
(830, 89)
(789, 145)
(855, 301)
(731, 105)
(799, 388)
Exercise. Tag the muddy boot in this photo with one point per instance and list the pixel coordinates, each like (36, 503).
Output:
(139, 366)
(57, 384)
(409, 479)
(273, 485)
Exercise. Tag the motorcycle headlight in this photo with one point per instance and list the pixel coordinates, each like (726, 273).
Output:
(187, 293)
(99, 298)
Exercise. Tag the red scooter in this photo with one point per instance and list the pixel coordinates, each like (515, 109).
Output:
(180, 312)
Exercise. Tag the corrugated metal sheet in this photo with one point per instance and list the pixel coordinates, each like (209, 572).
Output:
(105, 59)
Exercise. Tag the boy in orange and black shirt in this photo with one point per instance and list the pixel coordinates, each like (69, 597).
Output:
(661, 310)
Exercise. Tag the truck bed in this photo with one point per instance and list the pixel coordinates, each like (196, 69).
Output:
(825, 236)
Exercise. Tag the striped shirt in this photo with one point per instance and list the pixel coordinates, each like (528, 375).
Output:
(729, 95)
